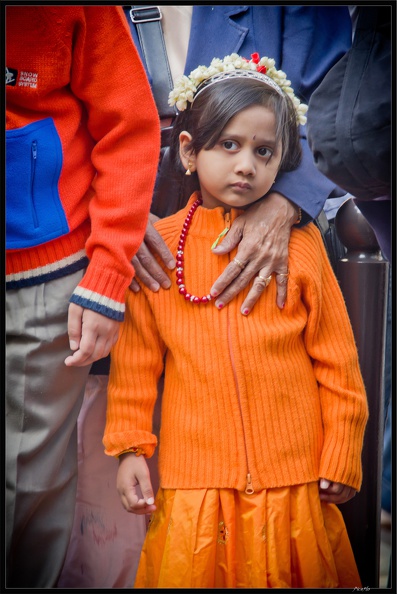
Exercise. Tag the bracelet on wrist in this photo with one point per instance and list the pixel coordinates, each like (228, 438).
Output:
(136, 451)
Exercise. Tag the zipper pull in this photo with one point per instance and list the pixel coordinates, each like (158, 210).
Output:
(217, 240)
(249, 488)
(34, 149)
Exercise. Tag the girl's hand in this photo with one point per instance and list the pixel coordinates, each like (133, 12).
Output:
(264, 230)
(146, 266)
(335, 492)
(133, 471)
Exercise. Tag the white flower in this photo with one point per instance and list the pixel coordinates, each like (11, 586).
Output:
(213, 69)
(181, 105)
(302, 120)
(268, 62)
(199, 74)
(217, 63)
(239, 63)
(231, 58)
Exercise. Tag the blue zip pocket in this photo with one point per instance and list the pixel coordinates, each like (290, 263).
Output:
(34, 212)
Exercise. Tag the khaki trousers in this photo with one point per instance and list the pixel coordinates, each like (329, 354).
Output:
(43, 400)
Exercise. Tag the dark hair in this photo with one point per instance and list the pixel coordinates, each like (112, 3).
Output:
(217, 104)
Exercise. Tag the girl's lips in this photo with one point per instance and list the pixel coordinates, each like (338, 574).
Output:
(242, 185)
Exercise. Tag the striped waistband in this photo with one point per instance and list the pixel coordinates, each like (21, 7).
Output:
(41, 274)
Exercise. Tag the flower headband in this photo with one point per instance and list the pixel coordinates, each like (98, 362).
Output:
(187, 88)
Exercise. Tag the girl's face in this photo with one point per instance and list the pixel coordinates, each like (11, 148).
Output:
(243, 164)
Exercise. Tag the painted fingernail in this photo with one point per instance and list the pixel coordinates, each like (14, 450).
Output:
(219, 305)
(283, 305)
(214, 293)
(246, 311)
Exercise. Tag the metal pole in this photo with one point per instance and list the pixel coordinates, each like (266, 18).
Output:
(363, 278)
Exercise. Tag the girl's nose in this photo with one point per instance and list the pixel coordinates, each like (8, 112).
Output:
(245, 164)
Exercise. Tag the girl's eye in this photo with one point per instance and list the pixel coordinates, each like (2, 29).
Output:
(229, 145)
(264, 152)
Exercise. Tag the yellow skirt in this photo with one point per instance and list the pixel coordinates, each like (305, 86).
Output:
(223, 538)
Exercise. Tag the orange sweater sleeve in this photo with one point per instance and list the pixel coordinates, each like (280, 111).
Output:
(330, 343)
(136, 358)
(108, 76)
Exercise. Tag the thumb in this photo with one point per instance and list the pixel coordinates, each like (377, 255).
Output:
(147, 493)
(230, 241)
(146, 490)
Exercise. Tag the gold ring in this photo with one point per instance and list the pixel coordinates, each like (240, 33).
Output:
(266, 279)
(239, 264)
(282, 278)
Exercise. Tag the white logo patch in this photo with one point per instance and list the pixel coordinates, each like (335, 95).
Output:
(28, 79)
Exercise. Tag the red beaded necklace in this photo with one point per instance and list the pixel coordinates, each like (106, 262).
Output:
(180, 258)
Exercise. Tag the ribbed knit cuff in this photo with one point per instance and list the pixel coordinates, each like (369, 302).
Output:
(102, 292)
(343, 467)
(125, 441)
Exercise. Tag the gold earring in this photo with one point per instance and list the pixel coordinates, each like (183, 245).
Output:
(188, 172)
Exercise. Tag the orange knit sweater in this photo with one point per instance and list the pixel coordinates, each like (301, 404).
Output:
(277, 395)
(83, 141)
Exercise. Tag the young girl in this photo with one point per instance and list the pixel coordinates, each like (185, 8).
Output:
(263, 416)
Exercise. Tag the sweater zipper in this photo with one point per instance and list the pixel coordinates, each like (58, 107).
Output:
(32, 178)
(249, 490)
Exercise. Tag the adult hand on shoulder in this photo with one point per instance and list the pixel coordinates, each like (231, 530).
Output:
(147, 269)
(133, 471)
(262, 233)
(331, 492)
(91, 335)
